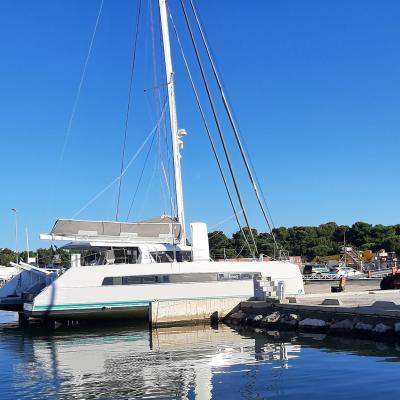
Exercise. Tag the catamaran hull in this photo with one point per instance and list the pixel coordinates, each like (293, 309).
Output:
(100, 313)
(111, 291)
(13, 304)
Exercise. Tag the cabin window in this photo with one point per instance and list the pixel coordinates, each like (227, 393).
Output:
(131, 280)
(112, 280)
(149, 279)
(168, 256)
(108, 281)
(104, 256)
(199, 277)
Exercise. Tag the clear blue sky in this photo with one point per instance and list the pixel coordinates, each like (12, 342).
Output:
(315, 88)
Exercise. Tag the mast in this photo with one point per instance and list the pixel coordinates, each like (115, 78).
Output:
(176, 134)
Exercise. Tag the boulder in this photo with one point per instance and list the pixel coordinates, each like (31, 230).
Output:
(236, 317)
(258, 318)
(270, 319)
(294, 317)
(286, 324)
(248, 319)
(361, 326)
(344, 325)
(313, 325)
(312, 322)
(382, 329)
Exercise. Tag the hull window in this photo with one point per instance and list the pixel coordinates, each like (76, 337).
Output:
(178, 278)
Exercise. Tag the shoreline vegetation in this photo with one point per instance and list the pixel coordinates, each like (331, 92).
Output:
(307, 241)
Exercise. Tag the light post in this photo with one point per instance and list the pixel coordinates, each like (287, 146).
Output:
(14, 210)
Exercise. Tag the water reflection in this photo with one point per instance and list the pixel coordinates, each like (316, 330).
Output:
(132, 362)
(129, 361)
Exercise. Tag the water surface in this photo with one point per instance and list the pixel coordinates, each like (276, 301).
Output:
(128, 361)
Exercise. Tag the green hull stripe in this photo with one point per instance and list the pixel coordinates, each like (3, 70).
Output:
(92, 305)
(120, 303)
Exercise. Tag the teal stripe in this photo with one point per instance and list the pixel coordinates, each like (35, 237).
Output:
(121, 303)
(91, 305)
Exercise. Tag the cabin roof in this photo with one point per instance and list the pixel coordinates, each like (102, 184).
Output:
(162, 229)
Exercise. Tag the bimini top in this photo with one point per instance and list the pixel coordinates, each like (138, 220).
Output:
(163, 229)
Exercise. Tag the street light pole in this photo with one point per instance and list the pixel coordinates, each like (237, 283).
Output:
(27, 245)
(14, 210)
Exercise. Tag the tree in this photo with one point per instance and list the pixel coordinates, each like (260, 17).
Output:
(218, 243)
(239, 242)
(359, 233)
(392, 243)
(7, 255)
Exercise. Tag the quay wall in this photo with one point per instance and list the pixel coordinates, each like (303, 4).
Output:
(370, 315)
(367, 315)
(194, 311)
(352, 285)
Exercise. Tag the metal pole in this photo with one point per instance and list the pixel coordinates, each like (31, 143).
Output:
(27, 245)
(176, 134)
(14, 210)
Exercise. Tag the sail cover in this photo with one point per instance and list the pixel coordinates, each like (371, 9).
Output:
(156, 228)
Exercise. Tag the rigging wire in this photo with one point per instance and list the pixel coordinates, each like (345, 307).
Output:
(219, 128)
(203, 117)
(261, 190)
(170, 181)
(78, 92)
(157, 98)
(140, 178)
(150, 183)
(232, 121)
(128, 105)
(167, 172)
(127, 165)
(221, 222)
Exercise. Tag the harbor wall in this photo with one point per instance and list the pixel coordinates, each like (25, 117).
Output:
(352, 285)
(366, 315)
(193, 311)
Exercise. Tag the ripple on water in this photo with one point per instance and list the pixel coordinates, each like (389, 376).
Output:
(128, 361)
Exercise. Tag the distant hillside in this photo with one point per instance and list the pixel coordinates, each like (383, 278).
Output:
(310, 241)
(306, 241)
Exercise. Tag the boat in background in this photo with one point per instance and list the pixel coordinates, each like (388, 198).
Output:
(6, 273)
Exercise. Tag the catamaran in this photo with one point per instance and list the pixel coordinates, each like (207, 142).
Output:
(119, 268)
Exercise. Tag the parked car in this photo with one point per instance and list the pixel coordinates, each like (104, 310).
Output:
(310, 269)
(345, 271)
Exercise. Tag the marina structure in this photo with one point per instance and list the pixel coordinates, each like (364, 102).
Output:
(118, 270)
(6, 273)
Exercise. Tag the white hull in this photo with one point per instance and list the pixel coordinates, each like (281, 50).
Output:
(80, 294)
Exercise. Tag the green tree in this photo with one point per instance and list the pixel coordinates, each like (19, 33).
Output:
(218, 243)
(7, 255)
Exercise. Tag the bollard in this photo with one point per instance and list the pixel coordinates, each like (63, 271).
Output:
(343, 281)
(281, 290)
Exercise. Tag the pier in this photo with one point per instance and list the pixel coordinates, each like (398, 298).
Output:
(362, 311)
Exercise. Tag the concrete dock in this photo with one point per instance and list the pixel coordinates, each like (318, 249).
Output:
(352, 285)
(361, 311)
